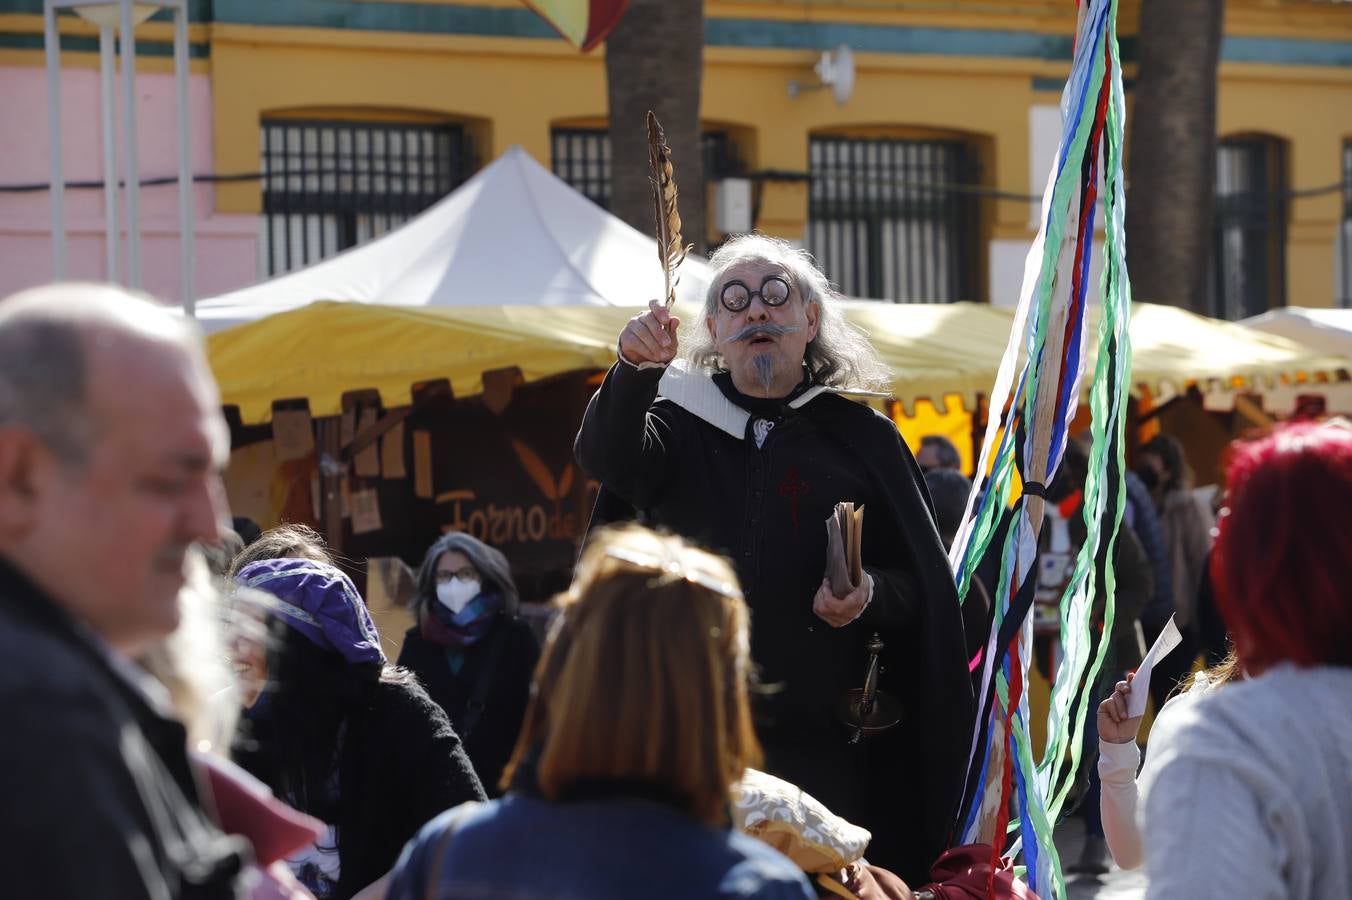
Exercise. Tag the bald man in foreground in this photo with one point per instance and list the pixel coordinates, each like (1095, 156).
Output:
(111, 448)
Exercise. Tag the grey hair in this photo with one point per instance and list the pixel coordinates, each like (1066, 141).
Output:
(45, 334)
(840, 356)
(489, 561)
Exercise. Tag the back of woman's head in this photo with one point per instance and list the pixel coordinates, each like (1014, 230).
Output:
(644, 678)
(324, 660)
(288, 541)
(1282, 545)
(495, 572)
(320, 604)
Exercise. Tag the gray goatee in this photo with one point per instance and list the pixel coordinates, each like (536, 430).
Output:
(765, 370)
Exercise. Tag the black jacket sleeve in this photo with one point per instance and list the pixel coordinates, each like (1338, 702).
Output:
(624, 443)
(436, 758)
(897, 594)
(921, 766)
(407, 766)
(71, 824)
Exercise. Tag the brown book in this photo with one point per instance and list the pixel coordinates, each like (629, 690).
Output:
(844, 548)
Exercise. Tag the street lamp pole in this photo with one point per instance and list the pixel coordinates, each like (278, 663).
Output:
(124, 16)
(107, 39)
(52, 43)
(186, 273)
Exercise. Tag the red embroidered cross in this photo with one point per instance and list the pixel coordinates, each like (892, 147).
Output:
(793, 488)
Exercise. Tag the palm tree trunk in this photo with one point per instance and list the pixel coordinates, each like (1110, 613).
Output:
(1172, 152)
(655, 61)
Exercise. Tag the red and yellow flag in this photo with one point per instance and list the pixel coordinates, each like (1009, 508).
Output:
(583, 23)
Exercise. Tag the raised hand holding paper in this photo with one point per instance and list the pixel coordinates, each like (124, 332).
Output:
(1140, 685)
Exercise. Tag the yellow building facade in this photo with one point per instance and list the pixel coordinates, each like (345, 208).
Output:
(984, 74)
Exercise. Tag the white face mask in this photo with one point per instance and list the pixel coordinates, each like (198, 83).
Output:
(456, 594)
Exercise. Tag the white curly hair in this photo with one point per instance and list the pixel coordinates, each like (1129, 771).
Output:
(840, 356)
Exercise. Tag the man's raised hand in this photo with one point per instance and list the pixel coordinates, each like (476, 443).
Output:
(650, 337)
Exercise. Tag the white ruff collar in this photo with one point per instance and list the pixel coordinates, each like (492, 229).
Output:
(693, 390)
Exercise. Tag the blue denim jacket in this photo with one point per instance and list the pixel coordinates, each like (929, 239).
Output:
(525, 848)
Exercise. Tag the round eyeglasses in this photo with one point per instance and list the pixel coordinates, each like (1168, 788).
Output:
(736, 296)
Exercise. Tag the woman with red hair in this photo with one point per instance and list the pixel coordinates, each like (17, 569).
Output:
(1249, 793)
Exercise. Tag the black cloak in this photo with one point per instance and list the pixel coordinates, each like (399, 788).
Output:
(754, 480)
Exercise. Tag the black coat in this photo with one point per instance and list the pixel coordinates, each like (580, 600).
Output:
(515, 651)
(100, 800)
(765, 508)
(400, 765)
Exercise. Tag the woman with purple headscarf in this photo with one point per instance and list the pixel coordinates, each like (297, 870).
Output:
(342, 735)
(469, 649)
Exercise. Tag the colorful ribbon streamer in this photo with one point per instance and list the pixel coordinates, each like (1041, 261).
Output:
(1028, 431)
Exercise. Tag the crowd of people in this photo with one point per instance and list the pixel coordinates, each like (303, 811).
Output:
(198, 712)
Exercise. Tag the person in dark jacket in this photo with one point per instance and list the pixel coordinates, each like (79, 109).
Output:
(1140, 514)
(111, 444)
(1133, 588)
(949, 490)
(745, 445)
(1185, 525)
(340, 734)
(469, 649)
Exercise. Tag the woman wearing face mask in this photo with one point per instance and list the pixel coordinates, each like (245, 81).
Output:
(469, 649)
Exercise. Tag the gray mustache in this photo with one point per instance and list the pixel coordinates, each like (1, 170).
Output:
(767, 329)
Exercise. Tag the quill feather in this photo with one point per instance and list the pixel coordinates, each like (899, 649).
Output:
(671, 248)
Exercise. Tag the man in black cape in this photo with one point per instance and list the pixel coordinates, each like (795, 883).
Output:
(745, 444)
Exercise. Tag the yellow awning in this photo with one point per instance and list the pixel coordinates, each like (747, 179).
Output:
(321, 351)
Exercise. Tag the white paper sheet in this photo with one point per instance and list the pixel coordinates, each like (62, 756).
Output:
(1140, 685)
(292, 435)
(365, 511)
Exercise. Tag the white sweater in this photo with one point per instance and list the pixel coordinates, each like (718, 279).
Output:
(1117, 766)
(1249, 791)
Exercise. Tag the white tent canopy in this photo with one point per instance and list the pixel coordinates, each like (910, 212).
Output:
(1326, 330)
(1329, 330)
(513, 235)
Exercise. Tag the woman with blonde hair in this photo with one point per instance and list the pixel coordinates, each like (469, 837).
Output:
(639, 725)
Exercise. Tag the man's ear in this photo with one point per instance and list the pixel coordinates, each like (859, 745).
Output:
(814, 312)
(19, 451)
(709, 324)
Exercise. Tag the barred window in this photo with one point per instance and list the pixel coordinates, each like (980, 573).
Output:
(581, 157)
(331, 185)
(1248, 268)
(896, 219)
